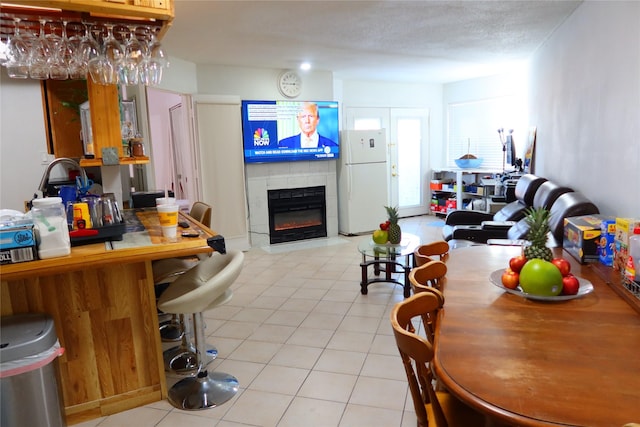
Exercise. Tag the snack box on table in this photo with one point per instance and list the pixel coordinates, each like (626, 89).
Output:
(17, 242)
(582, 236)
(607, 242)
(624, 230)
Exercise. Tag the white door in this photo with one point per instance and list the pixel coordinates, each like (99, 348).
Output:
(221, 165)
(408, 159)
(407, 136)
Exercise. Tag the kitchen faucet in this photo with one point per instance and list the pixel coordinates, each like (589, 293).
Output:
(69, 162)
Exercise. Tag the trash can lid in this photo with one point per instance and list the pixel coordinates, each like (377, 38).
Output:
(24, 335)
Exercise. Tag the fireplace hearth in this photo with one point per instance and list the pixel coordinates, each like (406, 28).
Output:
(297, 214)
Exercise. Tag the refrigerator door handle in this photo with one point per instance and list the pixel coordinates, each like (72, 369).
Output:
(350, 183)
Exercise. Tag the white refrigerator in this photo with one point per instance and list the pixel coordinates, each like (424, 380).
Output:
(362, 181)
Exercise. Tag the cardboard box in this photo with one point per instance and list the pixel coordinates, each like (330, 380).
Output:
(582, 236)
(17, 244)
(624, 229)
(607, 245)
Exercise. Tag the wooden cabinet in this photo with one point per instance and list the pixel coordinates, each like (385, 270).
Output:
(61, 103)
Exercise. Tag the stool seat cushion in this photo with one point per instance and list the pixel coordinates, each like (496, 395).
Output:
(195, 290)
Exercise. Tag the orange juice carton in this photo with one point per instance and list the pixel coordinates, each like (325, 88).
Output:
(624, 230)
(607, 243)
(582, 236)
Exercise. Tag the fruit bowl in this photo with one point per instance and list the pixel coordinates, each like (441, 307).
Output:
(585, 288)
(468, 163)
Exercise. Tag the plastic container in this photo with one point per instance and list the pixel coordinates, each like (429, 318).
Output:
(52, 231)
(634, 253)
(29, 391)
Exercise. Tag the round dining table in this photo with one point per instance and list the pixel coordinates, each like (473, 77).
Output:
(528, 362)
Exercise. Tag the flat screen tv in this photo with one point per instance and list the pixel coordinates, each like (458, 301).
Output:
(288, 131)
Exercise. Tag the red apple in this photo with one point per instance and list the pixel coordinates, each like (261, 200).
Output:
(570, 284)
(563, 265)
(516, 263)
(510, 279)
(384, 226)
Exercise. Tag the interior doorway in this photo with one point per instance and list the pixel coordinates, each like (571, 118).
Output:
(172, 144)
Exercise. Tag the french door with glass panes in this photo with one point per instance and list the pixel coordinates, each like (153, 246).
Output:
(407, 141)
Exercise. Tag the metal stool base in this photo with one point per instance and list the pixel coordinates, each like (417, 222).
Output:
(171, 332)
(183, 360)
(206, 390)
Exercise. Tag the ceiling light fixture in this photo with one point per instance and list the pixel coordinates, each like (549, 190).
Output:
(305, 66)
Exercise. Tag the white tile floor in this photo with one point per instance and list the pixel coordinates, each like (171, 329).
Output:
(307, 348)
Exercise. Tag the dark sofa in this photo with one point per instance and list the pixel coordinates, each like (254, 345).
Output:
(562, 202)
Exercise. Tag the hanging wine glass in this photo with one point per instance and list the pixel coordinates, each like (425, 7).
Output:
(155, 60)
(60, 55)
(17, 63)
(113, 56)
(77, 65)
(90, 55)
(40, 54)
(133, 57)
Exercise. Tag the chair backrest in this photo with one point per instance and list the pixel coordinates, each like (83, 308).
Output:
(548, 193)
(525, 191)
(417, 353)
(431, 274)
(194, 290)
(566, 205)
(423, 253)
(201, 212)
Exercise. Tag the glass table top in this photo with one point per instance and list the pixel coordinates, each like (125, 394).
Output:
(407, 246)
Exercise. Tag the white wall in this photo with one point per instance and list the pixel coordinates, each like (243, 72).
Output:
(585, 102)
(510, 83)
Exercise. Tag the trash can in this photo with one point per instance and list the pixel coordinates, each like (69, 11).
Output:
(29, 392)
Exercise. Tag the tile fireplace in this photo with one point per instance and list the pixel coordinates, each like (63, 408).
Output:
(297, 214)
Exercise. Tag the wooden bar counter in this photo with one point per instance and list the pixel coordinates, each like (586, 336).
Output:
(103, 304)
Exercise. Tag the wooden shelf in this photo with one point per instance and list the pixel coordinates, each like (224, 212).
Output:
(150, 10)
(123, 161)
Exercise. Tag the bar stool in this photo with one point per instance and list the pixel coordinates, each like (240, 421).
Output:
(202, 288)
(166, 271)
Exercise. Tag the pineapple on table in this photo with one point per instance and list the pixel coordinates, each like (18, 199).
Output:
(395, 233)
(538, 221)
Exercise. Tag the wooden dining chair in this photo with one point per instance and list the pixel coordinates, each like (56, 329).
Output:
(431, 274)
(429, 251)
(439, 409)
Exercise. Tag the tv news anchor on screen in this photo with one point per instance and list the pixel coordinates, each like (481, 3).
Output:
(308, 118)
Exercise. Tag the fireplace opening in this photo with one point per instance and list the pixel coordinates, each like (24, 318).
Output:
(297, 214)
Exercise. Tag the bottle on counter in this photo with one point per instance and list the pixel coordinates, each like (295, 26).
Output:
(52, 231)
(633, 268)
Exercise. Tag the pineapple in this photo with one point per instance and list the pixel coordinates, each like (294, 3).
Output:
(395, 234)
(538, 221)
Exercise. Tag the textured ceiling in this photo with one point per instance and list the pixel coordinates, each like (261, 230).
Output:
(419, 41)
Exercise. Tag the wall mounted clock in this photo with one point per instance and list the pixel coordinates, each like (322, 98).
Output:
(290, 84)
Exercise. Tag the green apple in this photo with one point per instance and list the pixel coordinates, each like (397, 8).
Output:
(380, 237)
(540, 277)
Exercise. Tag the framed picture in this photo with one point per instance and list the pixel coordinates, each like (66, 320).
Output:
(128, 119)
(528, 154)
